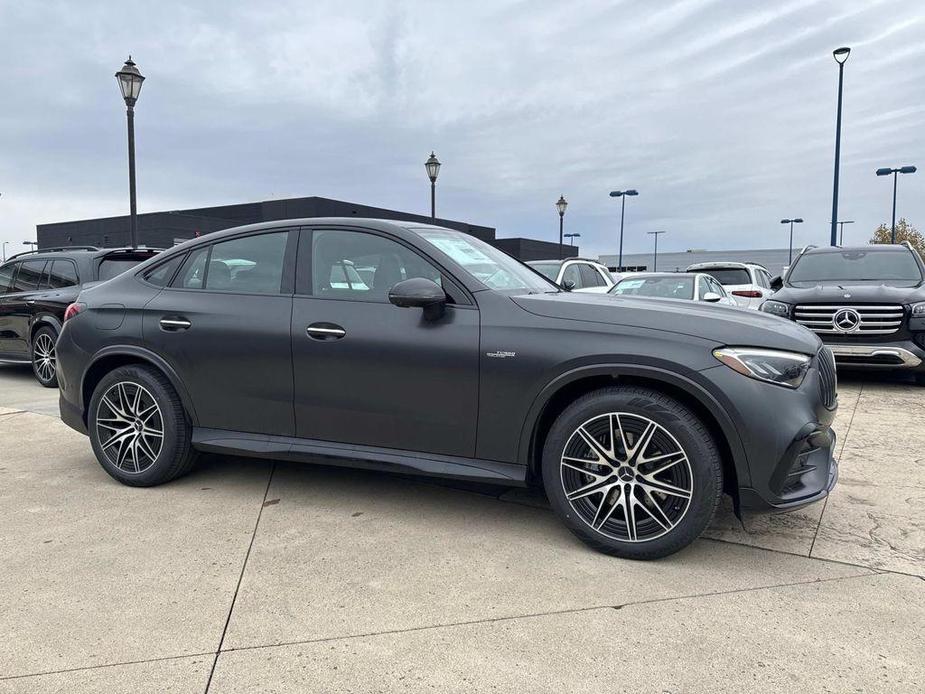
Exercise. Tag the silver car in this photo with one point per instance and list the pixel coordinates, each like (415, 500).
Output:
(688, 286)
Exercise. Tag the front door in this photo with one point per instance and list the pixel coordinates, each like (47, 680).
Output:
(370, 373)
(223, 325)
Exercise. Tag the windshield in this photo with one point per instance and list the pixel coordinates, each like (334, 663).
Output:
(663, 287)
(897, 268)
(550, 270)
(727, 276)
(487, 264)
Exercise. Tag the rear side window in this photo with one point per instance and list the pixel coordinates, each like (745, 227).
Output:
(163, 273)
(63, 273)
(6, 277)
(29, 277)
(590, 277)
(730, 275)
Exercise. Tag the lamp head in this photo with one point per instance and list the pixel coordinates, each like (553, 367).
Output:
(841, 54)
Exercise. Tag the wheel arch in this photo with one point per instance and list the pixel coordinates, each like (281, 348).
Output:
(562, 391)
(112, 358)
(43, 320)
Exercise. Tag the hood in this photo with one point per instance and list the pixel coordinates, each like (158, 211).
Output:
(724, 325)
(848, 293)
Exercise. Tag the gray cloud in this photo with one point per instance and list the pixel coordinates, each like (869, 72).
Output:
(721, 113)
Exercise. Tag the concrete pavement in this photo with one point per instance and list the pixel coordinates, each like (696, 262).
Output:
(253, 576)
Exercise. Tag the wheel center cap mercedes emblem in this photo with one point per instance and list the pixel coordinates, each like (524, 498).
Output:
(625, 474)
(846, 320)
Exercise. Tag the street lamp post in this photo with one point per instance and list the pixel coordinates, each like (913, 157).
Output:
(655, 257)
(622, 195)
(130, 79)
(571, 238)
(841, 55)
(4, 250)
(791, 222)
(841, 230)
(31, 244)
(561, 204)
(432, 165)
(886, 172)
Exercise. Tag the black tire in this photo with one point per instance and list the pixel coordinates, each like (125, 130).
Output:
(920, 378)
(677, 433)
(174, 457)
(42, 356)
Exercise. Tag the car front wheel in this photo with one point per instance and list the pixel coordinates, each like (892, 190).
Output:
(138, 428)
(632, 472)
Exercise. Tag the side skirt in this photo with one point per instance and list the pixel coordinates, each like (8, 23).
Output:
(365, 457)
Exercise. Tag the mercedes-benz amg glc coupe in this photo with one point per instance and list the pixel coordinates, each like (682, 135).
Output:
(414, 348)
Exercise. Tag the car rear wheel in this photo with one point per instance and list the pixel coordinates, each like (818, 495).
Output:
(44, 360)
(138, 428)
(632, 472)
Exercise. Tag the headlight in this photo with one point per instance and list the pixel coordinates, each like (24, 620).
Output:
(777, 308)
(770, 365)
(918, 309)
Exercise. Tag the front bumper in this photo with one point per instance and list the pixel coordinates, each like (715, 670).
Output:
(884, 355)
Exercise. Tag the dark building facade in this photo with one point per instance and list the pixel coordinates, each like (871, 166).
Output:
(165, 229)
(533, 249)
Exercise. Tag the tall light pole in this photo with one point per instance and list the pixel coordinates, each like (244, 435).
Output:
(31, 244)
(130, 79)
(432, 165)
(841, 230)
(621, 194)
(886, 172)
(655, 257)
(561, 204)
(841, 55)
(791, 222)
(571, 238)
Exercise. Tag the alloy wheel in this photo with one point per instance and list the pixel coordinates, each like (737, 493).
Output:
(43, 356)
(129, 427)
(626, 477)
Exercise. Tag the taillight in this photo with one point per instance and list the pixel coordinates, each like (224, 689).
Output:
(750, 293)
(73, 309)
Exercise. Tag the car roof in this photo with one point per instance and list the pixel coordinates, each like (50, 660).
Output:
(874, 248)
(717, 265)
(637, 275)
(564, 260)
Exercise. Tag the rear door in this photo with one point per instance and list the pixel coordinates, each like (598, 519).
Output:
(7, 279)
(368, 372)
(223, 325)
(17, 307)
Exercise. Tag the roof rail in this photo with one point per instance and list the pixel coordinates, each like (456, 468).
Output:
(54, 249)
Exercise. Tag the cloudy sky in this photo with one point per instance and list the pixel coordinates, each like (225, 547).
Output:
(720, 112)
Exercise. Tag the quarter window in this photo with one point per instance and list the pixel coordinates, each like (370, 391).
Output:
(163, 273)
(63, 273)
(360, 266)
(6, 277)
(193, 272)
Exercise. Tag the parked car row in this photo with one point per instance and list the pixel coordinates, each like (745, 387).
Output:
(401, 346)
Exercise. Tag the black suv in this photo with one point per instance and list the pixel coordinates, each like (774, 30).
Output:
(36, 288)
(399, 346)
(866, 303)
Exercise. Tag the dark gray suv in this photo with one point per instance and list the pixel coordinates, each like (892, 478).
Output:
(414, 348)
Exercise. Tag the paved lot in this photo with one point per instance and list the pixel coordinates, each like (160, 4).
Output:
(312, 579)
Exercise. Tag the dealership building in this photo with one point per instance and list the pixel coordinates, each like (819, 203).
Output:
(165, 229)
(774, 259)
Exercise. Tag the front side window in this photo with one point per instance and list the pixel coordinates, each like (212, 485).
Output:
(360, 266)
(63, 274)
(29, 277)
(571, 277)
(704, 287)
(763, 279)
(493, 268)
(6, 277)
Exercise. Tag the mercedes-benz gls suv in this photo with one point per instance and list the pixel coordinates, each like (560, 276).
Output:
(398, 346)
(866, 303)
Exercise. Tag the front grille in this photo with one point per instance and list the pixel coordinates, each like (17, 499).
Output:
(828, 380)
(869, 319)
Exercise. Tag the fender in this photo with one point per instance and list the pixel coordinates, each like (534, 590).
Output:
(697, 391)
(154, 359)
(41, 319)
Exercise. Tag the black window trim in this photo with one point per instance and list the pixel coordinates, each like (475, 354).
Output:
(303, 278)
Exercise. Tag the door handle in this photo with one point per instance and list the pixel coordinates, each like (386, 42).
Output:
(175, 324)
(30, 302)
(325, 331)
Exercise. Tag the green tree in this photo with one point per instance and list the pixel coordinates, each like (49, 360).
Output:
(904, 232)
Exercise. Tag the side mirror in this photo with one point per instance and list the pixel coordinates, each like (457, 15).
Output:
(568, 285)
(418, 292)
(777, 283)
(712, 297)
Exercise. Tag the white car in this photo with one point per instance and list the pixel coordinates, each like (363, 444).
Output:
(577, 274)
(748, 283)
(687, 286)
